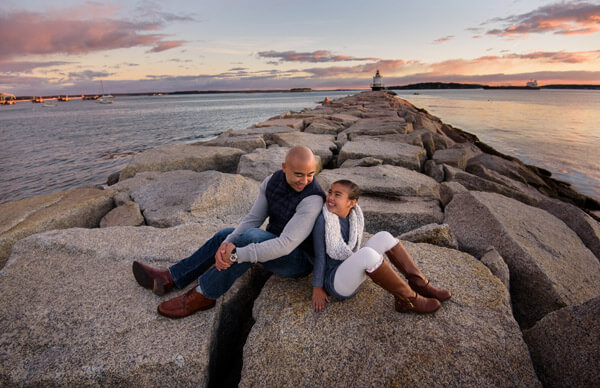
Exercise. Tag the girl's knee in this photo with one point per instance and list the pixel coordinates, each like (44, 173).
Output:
(382, 241)
(370, 256)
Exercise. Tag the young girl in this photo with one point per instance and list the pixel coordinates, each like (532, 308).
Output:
(341, 265)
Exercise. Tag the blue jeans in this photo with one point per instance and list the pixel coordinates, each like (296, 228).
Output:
(215, 283)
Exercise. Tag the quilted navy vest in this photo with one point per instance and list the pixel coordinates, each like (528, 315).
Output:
(282, 200)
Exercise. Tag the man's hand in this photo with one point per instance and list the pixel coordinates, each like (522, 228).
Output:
(222, 261)
(319, 299)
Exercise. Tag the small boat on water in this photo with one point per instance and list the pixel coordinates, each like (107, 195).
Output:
(7, 99)
(104, 98)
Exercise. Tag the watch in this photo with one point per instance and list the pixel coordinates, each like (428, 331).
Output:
(233, 257)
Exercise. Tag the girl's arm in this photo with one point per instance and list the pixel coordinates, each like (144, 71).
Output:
(319, 294)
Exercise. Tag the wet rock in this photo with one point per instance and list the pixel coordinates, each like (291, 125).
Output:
(436, 234)
(492, 259)
(88, 323)
(82, 208)
(127, 214)
(362, 341)
(398, 154)
(321, 145)
(510, 168)
(384, 181)
(550, 268)
(399, 217)
(113, 178)
(179, 197)
(183, 157)
(585, 226)
(565, 346)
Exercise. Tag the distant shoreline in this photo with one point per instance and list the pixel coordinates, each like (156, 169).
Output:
(417, 86)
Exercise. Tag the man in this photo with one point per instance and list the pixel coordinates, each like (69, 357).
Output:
(291, 200)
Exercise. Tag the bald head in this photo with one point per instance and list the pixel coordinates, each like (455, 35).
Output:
(300, 154)
(299, 167)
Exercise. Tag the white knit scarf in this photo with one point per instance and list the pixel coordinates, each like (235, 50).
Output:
(334, 243)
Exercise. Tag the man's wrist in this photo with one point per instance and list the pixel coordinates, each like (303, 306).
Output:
(233, 257)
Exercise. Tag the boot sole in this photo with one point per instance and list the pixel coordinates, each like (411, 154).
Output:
(147, 281)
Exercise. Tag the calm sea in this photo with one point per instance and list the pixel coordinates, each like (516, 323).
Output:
(48, 149)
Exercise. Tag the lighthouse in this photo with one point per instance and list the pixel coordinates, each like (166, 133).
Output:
(377, 82)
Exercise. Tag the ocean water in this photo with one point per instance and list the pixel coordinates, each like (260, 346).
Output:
(49, 149)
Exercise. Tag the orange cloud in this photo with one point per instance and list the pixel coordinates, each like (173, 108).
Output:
(570, 18)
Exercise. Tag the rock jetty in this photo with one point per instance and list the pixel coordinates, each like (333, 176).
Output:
(519, 250)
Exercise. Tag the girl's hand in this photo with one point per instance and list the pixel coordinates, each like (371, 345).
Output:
(319, 299)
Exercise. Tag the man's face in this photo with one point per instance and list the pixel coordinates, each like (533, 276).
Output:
(299, 173)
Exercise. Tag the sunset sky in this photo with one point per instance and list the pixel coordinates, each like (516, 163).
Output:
(151, 46)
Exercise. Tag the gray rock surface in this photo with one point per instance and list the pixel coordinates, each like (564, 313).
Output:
(398, 154)
(399, 217)
(77, 317)
(364, 162)
(321, 145)
(585, 226)
(294, 123)
(550, 268)
(183, 157)
(435, 234)
(246, 143)
(384, 181)
(66, 209)
(128, 214)
(565, 346)
(472, 341)
(261, 163)
(455, 157)
(448, 190)
(179, 197)
(476, 183)
(492, 259)
(379, 126)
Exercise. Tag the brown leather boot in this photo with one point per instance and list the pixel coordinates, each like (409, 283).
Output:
(157, 280)
(185, 304)
(406, 299)
(417, 281)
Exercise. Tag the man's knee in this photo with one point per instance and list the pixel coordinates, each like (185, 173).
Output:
(253, 235)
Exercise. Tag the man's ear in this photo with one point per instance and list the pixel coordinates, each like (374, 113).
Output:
(283, 166)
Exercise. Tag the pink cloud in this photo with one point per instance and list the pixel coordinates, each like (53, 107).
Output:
(315, 56)
(166, 45)
(36, 33)
(566, 18)
(444, 39)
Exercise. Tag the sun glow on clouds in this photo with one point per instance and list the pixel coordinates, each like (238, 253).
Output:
(74, 47)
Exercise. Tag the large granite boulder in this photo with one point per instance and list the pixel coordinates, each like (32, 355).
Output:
(262, 162)
(195, 157)
(247, 143)
(436, 234)
(585, 226)
(565, 346)
(379, 126)
(395, 153)
(399, 217)
(321, 145)
(179, 197)
(477, 183)
(73, 315)
(385, 181)
(550, 268)
(471, 341)
(82, 208)
(266, 133)
(127, 214)
(294, 123)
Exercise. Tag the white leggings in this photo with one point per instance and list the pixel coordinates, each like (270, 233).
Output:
(352, 272)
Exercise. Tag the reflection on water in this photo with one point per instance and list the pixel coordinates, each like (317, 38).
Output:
(78, 142)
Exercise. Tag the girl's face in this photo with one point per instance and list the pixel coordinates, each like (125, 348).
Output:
(338, 202)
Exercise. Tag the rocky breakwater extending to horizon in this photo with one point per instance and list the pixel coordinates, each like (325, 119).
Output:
(519, 251)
